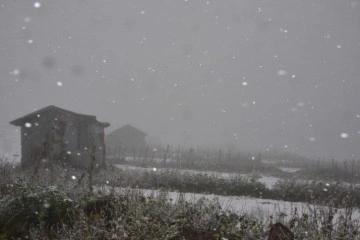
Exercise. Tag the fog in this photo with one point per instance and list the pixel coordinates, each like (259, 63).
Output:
(251, 75)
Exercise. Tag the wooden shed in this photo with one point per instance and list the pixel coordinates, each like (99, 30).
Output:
(61, 135)
(127, 137)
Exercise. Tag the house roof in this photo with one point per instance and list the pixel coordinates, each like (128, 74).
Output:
(128, 127)
(20, 121)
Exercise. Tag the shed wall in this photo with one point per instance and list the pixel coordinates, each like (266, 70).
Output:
(71, 138)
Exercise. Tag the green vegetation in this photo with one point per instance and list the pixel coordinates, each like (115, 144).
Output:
(288, 190)
(46, 213)
(70, 209)
(30, 205)
(188, 182)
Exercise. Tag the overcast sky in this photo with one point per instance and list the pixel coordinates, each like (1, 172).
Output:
(246, 74)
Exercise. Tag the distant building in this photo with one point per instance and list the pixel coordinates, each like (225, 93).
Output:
(61, 135)
(127, 137)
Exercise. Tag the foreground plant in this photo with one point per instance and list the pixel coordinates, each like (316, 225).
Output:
(34, 212)
(26, 205)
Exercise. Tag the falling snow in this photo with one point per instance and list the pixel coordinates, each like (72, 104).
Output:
(16, 72)
(178, 67)
(37, 4)
(344, 135)
(281, 72)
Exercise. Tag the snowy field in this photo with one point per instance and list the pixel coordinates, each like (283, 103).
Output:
(256, 207)
(269, 181)
(259, 208)
(289, 170)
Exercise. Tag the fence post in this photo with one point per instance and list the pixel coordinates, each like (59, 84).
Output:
(91, 168)
(146, 151)
(178, 156)
(119, 152)
(134, 154)
(166, 153)
(51, 156)
(190, 154)
(152, 155)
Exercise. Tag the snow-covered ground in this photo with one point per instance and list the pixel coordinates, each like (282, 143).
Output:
(269, 181)
(259, 208)
(289, 170)
(253, 206)
(256, 207)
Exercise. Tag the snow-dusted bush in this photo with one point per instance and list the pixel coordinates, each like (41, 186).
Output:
(37, 211)
(28, 206)
(188, 182)
(331, 194)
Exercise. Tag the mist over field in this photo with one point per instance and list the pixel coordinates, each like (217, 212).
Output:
(242, 74)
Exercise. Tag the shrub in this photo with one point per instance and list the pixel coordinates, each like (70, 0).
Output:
(26, 206)
(188, 182)
(315, 192)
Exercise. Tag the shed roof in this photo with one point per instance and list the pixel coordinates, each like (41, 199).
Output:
(20, 121)
(129, 128)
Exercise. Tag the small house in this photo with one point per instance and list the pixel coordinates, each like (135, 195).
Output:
(61, 135)
(127, 137)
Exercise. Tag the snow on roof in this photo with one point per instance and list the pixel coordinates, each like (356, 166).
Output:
(20, 121)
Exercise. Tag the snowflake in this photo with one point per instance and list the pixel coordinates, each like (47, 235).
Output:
(282, 72)
(344, 135)
(37, 4)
